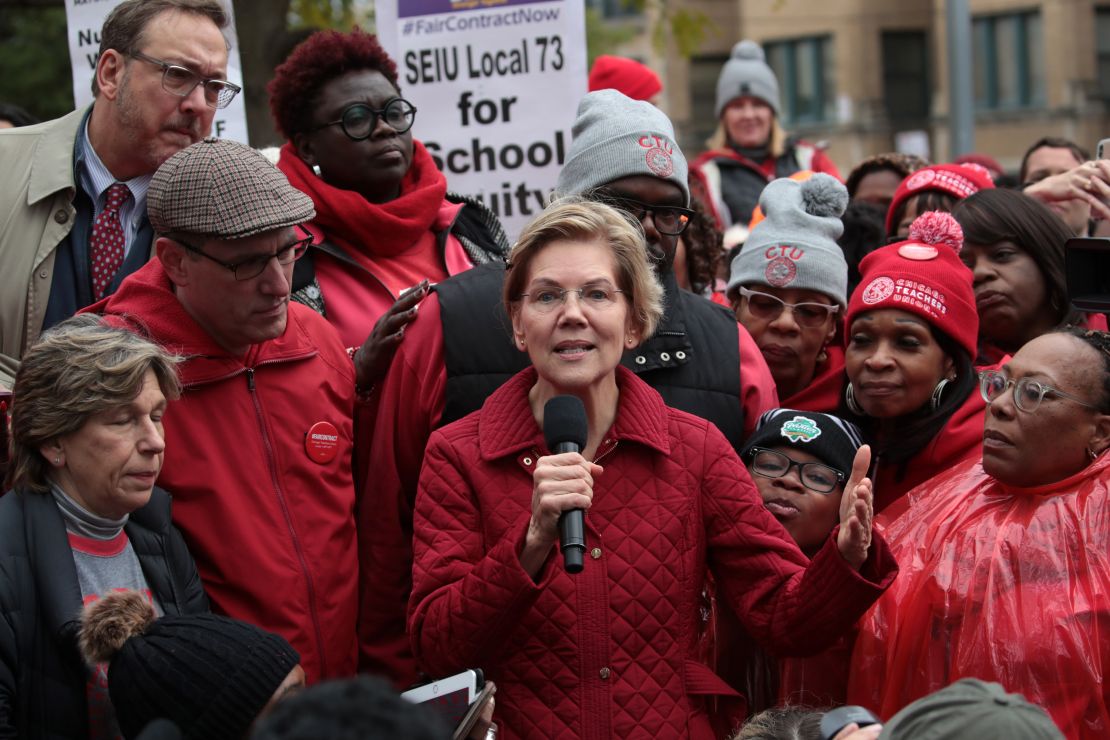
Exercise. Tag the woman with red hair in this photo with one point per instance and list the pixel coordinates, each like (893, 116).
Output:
(385, 227)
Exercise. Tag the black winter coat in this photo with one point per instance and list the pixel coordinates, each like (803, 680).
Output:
(42, 676)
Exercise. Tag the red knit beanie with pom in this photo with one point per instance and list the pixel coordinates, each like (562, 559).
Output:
(924, 276)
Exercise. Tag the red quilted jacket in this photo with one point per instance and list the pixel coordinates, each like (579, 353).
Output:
(610, 652)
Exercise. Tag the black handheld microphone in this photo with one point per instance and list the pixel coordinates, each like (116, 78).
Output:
(565, 430)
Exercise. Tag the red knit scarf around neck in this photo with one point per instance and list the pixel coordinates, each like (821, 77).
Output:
(376, 229)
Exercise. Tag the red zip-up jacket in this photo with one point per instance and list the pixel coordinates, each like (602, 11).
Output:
(271, 530)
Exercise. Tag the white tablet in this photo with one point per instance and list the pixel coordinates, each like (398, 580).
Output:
(450, 696)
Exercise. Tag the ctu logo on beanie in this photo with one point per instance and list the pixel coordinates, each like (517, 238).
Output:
(782, 265)
(658, 155)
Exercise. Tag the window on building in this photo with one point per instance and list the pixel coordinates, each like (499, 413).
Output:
(1102, 46)
(703, 101)
(906, 77)
(613, 8)
(1008, 60)
(805, 70)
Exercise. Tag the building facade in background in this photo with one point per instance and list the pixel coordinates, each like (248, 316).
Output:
(869, 76)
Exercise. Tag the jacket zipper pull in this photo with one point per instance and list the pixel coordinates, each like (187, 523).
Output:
(250, 379)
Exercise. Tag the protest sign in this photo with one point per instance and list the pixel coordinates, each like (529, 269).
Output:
(84, 19)
(496, 84)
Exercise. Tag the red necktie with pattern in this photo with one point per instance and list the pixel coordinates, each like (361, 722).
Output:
(106, 245)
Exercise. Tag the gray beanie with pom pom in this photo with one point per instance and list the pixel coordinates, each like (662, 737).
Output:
(794, 246)
(746, 73)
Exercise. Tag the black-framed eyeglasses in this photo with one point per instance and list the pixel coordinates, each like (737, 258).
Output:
(181, 81)
(598, 296)
(768, 307)
(669, 220)
(252, 267)
(1028, 393)
(359, 120)
(814, 476)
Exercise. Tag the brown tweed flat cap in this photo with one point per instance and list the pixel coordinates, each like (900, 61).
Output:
(223, 189)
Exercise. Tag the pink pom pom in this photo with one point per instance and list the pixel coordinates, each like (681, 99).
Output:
(937, 227)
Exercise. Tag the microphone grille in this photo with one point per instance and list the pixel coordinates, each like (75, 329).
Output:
(564, 420)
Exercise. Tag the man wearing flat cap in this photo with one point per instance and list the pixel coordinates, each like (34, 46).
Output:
(259, 447)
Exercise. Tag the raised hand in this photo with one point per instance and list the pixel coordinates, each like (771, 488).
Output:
(376, 353)
(856, 510)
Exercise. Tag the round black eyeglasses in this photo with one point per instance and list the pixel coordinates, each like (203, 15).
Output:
(359, 120)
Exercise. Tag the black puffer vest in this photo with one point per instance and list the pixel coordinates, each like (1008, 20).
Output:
(693, 359)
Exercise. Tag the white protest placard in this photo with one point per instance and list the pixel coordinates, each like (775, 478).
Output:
(496, 84)
(84, 19)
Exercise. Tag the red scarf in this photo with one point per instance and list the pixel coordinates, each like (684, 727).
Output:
(376, 229)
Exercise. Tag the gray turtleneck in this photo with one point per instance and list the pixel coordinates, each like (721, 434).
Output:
(105, 562)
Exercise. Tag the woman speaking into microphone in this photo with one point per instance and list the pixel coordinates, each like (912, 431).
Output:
(609, 651)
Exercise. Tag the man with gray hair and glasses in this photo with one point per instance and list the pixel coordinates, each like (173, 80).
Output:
(261, 462)
(73, 200)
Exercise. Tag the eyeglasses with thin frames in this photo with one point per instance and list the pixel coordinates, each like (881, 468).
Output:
(181, 81)
(359, 120)
(814, 476)
(768, 307)
(597, 296)
(252, 267)
(1028, 393)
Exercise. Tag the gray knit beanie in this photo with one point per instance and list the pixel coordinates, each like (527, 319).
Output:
(746, 73)
(794, 246)
(616, 136)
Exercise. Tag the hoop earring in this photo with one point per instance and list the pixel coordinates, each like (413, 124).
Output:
(935, 400)
(58, 460)
(1092, 454)
(850, 400)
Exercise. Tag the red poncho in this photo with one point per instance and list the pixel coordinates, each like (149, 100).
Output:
(1000, 583)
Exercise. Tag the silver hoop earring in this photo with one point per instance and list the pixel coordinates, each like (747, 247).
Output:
(934, 402)
(1092, 454)
(853, 404)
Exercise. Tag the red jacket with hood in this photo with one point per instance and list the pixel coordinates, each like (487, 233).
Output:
(272, 531)
(611, 651)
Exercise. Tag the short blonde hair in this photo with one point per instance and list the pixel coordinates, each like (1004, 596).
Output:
(580, 220)
(77, 369)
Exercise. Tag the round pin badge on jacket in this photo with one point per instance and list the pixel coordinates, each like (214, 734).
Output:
(322, 442)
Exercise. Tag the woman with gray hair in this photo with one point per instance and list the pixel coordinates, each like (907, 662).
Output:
(607, 647)
(82, 518)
